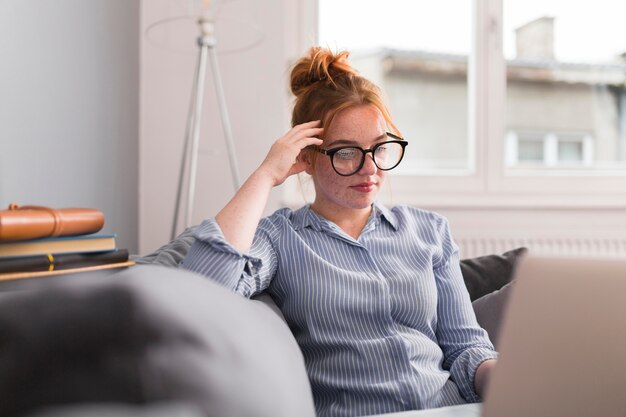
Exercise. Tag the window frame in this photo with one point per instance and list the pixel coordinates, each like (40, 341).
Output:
(488, 183)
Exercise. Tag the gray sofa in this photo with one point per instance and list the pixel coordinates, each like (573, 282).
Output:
(156, 340)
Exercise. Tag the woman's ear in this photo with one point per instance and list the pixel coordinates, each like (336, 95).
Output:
(306, 157)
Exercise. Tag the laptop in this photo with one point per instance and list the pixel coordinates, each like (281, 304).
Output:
(563, 341)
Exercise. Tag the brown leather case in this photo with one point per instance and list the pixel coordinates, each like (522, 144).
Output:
(33, 222)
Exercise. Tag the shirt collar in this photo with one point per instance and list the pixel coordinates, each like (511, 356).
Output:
(381, 210)
(305, 217)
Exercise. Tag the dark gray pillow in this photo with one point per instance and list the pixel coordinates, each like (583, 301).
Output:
(486, 274)
(147, 334)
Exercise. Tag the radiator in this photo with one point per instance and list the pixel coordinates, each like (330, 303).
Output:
(574, 247)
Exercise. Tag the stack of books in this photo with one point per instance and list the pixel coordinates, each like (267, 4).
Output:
(39, 241)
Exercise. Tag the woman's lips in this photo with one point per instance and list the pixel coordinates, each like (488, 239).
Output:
(364, 187)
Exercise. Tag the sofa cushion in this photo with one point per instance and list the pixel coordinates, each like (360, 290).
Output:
(489, 273)
(489, 310)
(489, 280)
(144, 335)
(172, 253)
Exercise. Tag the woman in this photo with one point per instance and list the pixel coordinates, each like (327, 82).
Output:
(374, 296)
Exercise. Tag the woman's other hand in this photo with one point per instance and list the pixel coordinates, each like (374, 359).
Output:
(481, 379)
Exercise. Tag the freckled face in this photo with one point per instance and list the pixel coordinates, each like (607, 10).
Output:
(362, 126)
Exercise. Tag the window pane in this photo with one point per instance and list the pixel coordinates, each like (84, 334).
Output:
(570, 151)
(530, 151)
(566, 76)
(416, 51)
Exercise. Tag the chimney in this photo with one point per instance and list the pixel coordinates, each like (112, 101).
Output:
(535, 40)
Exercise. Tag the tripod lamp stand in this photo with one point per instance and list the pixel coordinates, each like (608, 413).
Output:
(205, 20)
(206, 46)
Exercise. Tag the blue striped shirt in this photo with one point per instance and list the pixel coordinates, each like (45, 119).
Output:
(384, 322)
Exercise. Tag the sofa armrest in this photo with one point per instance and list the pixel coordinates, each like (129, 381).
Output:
(144, 335)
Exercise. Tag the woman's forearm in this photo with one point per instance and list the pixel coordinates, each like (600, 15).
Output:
(240, 217)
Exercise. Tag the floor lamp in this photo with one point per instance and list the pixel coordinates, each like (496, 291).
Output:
(206, 43)
(206, 46)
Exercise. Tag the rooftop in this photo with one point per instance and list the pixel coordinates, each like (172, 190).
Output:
(396, 61)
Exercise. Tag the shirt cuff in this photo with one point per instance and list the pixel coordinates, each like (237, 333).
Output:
(212, 256)
(211, 233)
(463, 370)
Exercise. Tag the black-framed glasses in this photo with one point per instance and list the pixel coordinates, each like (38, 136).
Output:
(348, 160)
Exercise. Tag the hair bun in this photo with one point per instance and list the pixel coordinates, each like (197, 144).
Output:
(319, 65)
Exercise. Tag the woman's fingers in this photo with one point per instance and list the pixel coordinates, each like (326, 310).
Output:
(309, 135)
(283, 159)
(305, 129)
(306, 125)
(299, 139)
(308, 141)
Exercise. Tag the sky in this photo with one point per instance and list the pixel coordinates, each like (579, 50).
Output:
(585, 31)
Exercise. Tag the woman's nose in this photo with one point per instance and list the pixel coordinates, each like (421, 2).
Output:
(369, 167)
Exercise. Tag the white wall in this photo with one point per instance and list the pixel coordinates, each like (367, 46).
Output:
(69, 107)
(256, 89)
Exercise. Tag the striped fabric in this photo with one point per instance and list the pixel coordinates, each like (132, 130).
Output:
(384, 322)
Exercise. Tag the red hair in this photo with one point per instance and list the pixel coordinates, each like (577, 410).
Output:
(324, 83)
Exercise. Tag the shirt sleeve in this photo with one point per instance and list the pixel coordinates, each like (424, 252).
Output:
(245, 273)
(464, 343)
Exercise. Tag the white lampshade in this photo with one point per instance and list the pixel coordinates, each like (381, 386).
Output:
(175, 32)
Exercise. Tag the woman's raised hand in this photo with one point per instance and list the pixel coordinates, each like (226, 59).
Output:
(283, 159)
(240, 217)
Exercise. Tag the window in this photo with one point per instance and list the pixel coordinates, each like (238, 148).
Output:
(545, 150)
(493, 99)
